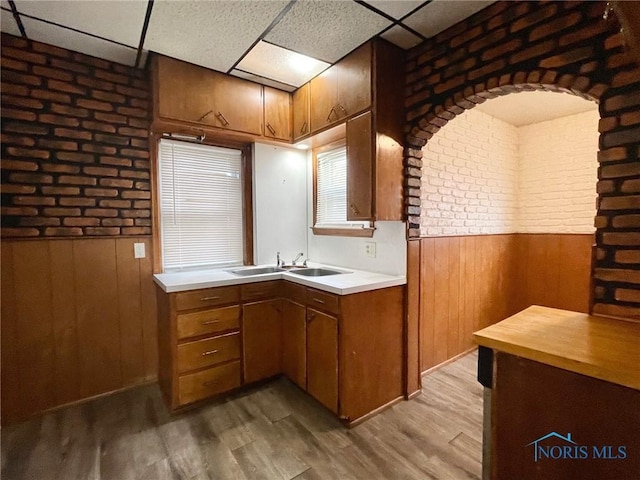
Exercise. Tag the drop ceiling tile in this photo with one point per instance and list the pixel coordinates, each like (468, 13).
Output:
(264, 81)
(439, 15)
(326, 30)
(8, 24)
(401, 37)
(120, 21)
(78, 42)
(396, 8)
(214, 34)
(277, 63)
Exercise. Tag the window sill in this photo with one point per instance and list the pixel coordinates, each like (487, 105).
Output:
(344, 232)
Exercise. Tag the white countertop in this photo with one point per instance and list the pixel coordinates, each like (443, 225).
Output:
(352, 281)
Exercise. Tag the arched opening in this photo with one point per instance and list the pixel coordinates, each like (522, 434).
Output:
(507, 209)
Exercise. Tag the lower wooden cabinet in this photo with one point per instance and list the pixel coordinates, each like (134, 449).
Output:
(344, 350)
(322, 358)
(262, 340)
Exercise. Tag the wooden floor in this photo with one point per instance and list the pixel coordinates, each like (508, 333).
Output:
(274, 431)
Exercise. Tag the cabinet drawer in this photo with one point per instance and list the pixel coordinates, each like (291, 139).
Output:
(260, 291)
(209, 351)
(323, 300)
(208, 321)
(196, 386)
(294, 292)
(207, 297)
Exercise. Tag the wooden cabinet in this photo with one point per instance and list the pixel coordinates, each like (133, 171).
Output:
(301, 112)
(196, 95)
(199, 344)
(262, 340)
(277, 114)
(294, 341)
(322, 358)
(359, 168)
(342, 90)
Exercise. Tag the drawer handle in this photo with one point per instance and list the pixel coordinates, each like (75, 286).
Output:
(343, 109)
(222, 118)
(209, 352)
(210, 322)
(303, 129)
(271, 129)
(333, 109)
(204, 299)
(205, 115)
(209, 383)
(318, 300)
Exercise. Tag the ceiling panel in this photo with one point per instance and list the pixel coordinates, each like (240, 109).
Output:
(120, 21)
(214, 34)
(396, 8)
(401, 37)
(439, 15)
(326, 30)
(272, 61)
(78, 42)
(264, 81)
(8, 24)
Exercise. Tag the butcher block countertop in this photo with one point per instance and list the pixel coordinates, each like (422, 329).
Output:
(599, 347)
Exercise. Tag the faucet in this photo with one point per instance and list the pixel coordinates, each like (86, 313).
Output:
(278, 261)
(297, 258)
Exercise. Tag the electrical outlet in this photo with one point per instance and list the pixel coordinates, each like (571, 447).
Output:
(138, 250)
(370, 249)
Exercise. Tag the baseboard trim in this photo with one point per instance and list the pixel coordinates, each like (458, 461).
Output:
(449, 360)
(373, 413)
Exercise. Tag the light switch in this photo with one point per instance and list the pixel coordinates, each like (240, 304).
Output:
(138, 250)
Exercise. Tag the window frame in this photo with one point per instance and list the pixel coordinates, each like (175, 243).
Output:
(333, 231)
(246, 166)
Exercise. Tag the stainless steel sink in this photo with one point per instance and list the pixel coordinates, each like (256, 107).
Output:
(316, 272)
(245, 272)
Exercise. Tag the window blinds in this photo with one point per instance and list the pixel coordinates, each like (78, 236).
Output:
(331, 203)
(200, 205)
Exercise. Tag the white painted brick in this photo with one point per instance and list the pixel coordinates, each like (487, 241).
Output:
(484, 176)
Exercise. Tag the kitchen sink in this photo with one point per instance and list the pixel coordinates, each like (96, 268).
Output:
(316, 272)
(245, 272)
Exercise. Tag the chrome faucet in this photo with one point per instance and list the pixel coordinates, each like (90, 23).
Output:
(278, 261)
(297, 258)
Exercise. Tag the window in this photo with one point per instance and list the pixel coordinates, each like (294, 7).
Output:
(331, 195)
(201, 206)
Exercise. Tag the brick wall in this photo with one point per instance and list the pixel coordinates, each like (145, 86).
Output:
(75, 158)
(562, 46)
(469, 177)
(557, 174)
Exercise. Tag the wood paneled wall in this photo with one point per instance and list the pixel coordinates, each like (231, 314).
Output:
(78, 320)
(467, 283)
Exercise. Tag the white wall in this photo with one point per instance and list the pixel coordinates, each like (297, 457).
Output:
(482, 175)
(469, 177)
(557, 175)
(280, 202)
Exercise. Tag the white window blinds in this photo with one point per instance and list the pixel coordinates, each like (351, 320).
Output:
(331, 190)
(200, 205)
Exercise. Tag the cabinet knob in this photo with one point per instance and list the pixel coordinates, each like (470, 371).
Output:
(310, 316)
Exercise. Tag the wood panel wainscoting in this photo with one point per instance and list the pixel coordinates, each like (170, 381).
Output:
(78, 321)
(466, 283)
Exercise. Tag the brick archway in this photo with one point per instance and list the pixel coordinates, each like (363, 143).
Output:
(436, 116)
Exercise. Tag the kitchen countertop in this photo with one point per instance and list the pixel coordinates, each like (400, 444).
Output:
(599, 347)
(352, 281)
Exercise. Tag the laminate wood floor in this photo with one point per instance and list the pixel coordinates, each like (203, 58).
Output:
(273, 431)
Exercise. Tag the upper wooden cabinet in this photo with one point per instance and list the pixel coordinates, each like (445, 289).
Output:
(342, 90)
(277, 114)
(301, 112)
(359, 168)
(193, 94)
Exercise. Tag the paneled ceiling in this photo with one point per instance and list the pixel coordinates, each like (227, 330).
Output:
(273, 42)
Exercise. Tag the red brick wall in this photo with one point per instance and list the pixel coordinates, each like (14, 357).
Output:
(75, 158)
(563, 46)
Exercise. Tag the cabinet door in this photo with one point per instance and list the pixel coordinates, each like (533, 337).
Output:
(262, 340)
(359, 168)
(322, 358)
(301, 112)
(354, 82)
(237, 104)
(277, 114)
(323, 97)
(294, 342)
(185, 91)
